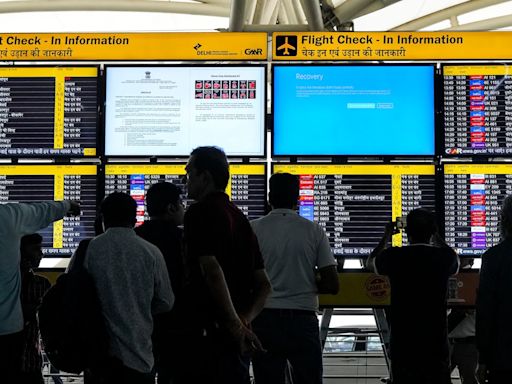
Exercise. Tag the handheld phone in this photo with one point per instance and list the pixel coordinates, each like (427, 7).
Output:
(399, 224)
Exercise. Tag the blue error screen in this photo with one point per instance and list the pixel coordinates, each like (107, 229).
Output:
(353, 110)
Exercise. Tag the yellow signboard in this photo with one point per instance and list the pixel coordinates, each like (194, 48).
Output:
(364, 289)
(133, 46)
(313, 46)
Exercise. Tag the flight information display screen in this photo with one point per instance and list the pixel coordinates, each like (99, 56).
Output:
(353, 110)
(477, 109)
(247, 187)
(32, 183)
(48, 112)
(353, 203)
(168, 111)
(473, 195)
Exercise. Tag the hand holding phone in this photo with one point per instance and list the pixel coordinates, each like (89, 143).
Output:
(399, 225)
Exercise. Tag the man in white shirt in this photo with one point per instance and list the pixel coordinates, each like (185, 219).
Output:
(300, 265)
(17, 220)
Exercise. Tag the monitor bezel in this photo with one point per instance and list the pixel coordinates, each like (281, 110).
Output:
(439, 217)
(97, 198)
(346, 155)
(442, 131)
(262, 155)
(180, 162)
(99, 97)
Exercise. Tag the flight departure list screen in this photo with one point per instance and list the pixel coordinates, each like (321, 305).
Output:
(477, 110)
(473, 197)
(246, 188)
(353, 203)
(32, 183)
(48, 112)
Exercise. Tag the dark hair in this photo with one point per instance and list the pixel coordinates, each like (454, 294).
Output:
(118, 210)
(421, 224)
(213, 160)
(160, 195)
(284, 190)
(33, 238)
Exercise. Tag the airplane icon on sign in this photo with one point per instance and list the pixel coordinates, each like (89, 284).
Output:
(286, 46)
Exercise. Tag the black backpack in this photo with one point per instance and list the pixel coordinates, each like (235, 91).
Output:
(70, 320)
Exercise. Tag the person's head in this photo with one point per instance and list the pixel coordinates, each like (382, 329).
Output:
(421, 225)
(283, 191)
(506, 218)
(31, 251)
(118, 210)
(207, 171)
(164, 202)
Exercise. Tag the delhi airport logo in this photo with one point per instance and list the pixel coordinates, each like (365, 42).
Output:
(286, 45)
(197, 46)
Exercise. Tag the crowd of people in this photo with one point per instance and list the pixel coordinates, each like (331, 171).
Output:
(196, 296)
(186, 296)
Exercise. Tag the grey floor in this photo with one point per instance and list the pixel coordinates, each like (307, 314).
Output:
(344, 368)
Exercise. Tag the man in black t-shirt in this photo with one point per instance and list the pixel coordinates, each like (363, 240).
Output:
(418, 275)
(226, 278)
(165, 209)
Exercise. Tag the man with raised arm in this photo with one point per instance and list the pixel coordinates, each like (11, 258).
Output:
(17, 220)
(418, 274)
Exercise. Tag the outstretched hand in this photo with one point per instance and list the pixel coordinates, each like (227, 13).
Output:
(74, 208)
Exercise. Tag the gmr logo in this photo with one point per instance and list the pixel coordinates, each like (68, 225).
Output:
(250, 51)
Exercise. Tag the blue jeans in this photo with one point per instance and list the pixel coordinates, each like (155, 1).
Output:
(289, 336)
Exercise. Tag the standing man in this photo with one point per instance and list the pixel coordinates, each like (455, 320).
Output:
(494, 306)
(227, 279)
(300, 265)
(17, 220)
(132, 285)
(418, 275)
(166, 211)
